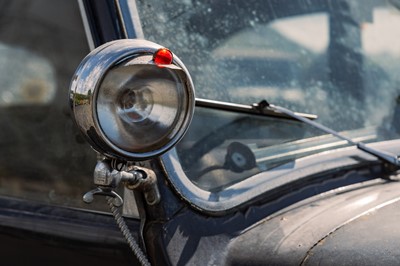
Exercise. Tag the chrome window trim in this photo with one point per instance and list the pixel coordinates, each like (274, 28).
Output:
(86, 26)
(130, 18)
(252, 187)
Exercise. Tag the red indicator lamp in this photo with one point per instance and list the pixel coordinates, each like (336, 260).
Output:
(163, 56)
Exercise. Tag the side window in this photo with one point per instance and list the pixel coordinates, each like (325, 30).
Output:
(42, 156)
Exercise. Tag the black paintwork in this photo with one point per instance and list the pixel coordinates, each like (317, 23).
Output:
(372, 239)
(282, 231)
(297, 234)
(38, 234)
(179, 235)
(318, 231)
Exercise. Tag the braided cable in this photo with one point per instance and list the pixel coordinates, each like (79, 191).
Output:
(127, 234)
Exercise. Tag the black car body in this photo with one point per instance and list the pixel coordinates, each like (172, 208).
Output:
(249, 183)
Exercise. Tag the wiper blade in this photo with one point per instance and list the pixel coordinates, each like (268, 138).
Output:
(389, 158)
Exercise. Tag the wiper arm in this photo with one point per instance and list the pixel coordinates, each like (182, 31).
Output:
(389, 158)
(250, 109)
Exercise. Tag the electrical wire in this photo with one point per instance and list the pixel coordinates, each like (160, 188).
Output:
(127, 234)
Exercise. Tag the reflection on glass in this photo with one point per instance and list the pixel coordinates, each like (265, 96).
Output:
(42, 156)
(136, 104)
(339, 61)
(26, 78)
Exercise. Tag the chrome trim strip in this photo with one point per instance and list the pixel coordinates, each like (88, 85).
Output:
(121, 18)
(86, 26)
(252, 187)
(130, 18)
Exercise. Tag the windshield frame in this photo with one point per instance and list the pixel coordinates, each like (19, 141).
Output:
(274, 181)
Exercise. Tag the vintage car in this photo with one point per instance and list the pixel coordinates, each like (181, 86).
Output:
(186, 132)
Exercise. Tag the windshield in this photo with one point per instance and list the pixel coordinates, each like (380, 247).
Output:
(337, 59)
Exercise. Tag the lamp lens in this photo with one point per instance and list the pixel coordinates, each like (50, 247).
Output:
(140, 108)
(136, 104)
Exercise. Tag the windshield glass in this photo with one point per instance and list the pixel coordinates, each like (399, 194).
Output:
(337, 59)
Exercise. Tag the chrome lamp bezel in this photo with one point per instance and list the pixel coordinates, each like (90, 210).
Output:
(87, 80)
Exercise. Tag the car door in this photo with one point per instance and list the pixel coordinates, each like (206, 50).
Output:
(45, 166)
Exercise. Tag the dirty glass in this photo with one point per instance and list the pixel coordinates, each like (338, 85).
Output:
(336, 59)
(42, 156)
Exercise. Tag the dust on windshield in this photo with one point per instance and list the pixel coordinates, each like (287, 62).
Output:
(336, 59)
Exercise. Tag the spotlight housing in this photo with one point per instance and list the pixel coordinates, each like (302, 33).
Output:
(132, 99)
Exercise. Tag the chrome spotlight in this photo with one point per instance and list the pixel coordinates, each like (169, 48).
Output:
(132, 99)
